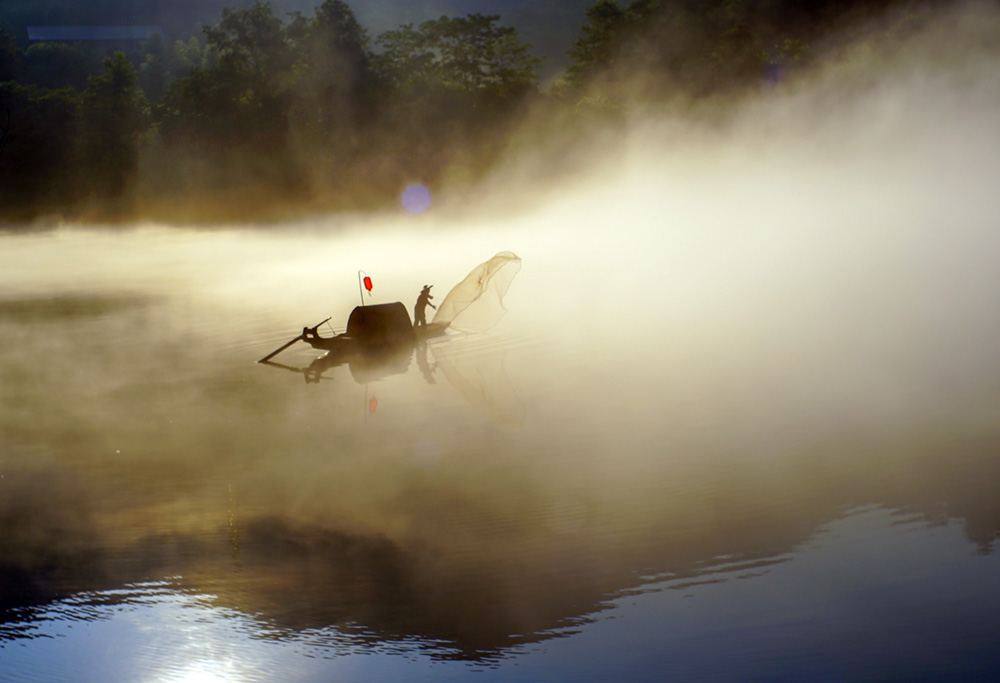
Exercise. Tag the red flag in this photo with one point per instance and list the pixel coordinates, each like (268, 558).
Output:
(368, 284)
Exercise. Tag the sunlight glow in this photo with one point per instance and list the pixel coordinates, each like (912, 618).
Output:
(199, 673)
(202, 677)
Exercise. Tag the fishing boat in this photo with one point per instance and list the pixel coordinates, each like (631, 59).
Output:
(382, 331)
(375, 328)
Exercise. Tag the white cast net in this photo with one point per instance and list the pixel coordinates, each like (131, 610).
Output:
(476, 303)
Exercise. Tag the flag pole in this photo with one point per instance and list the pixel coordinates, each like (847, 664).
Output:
(361, 291)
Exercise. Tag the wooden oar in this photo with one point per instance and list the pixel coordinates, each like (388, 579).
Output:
(285, 346)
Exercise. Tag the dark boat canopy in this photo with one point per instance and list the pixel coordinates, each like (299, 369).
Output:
(381, 325)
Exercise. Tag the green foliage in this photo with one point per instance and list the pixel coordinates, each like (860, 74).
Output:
(112, 116)
(244, 97)
(407, 62)
(788, 52)
(335, 82)
(259, 106)
(252, 48)
(476, 55)
(154, 71)
(600, 43)
(60, 65)
(37, 158)
(10, 56)
(469, 53)
(190, 55)
(450, 86)
(686, 46)
(337, 29)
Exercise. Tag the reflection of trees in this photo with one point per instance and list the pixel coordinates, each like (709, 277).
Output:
(480, 560)
(952, 487)
(44, 547)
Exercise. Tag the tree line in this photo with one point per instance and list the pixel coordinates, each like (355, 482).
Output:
(259, 114)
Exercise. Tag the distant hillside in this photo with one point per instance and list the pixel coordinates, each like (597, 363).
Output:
(550, 26)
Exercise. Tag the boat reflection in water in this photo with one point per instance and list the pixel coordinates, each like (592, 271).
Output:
(473, 366)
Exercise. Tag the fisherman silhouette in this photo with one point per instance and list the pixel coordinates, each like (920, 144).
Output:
(423, 301)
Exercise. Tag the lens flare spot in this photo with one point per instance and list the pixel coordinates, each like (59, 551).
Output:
(416, 198)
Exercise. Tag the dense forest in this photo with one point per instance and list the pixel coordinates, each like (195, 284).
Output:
(263, 114)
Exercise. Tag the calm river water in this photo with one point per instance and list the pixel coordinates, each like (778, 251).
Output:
(741, 421)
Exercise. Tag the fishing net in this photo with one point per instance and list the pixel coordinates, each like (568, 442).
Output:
(476, 303)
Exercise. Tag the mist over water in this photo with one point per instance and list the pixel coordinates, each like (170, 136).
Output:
(748, 377)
